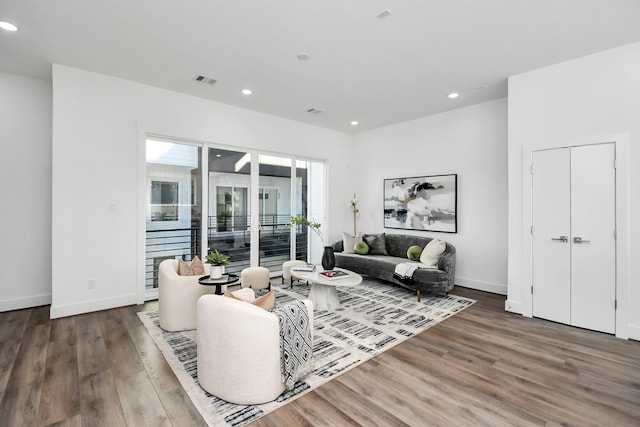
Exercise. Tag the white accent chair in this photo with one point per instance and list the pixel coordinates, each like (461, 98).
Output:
(287, 267)
(178, 297)
(255, 278)
(239, 349)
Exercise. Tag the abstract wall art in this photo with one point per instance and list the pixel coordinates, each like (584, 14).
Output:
(427, 203)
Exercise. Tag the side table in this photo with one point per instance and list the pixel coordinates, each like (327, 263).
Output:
(226, 279)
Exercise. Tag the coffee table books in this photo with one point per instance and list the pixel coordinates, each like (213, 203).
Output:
(307, 268)
(333, 274)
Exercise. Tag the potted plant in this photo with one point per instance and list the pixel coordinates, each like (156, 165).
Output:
(328, 259)
(218, 261)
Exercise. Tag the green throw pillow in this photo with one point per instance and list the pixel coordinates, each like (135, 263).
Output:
(361, 248)
(414, 252)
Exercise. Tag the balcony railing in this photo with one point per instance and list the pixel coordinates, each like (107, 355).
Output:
(231, 235)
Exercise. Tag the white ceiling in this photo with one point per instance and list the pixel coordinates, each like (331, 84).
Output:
(375, 71)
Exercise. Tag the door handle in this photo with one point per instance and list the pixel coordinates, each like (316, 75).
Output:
(579, 240)
(563, 239)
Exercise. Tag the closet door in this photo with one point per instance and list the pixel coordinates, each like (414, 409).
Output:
(593, 261)
(573, 241)
(551, 228)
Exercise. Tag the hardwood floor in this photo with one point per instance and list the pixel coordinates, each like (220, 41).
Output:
(481, 367)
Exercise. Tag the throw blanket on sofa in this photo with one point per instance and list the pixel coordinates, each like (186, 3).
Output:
(405, 270)
(296, 344)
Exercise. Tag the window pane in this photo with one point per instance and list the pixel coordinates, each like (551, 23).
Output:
(229, 206)
(310, 201)
(274, 210)
(174, 205)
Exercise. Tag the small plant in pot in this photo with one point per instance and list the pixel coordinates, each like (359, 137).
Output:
(218, 261)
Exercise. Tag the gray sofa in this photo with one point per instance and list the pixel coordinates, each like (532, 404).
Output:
(430, 281)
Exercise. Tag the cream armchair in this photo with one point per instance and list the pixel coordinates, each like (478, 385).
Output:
(178, 297)
(239, 349)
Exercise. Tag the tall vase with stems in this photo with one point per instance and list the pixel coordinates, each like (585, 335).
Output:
(354, 208)
(316, 227)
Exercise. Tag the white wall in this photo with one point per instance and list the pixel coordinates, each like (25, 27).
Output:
(25, 192)
(96, 124)
(470, 142)
(593, 98)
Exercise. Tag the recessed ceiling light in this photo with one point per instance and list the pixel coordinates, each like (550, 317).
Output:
(247, 91)
(453, 95)
(354, 123)
(8, 26)
(302, 56)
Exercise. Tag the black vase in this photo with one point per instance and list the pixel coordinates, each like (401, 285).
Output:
(328, 259)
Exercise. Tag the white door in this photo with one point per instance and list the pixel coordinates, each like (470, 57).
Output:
(551, 225)
(593, 219)
(573, 242)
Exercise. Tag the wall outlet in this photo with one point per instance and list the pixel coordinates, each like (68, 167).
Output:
(91, 284)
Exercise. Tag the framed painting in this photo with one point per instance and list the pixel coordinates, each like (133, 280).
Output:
(427, 203)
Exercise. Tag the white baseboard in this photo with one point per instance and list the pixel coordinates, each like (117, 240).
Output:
(481, 286)
(19, 303)
(513, 307)
(629, 332)
(90, 306)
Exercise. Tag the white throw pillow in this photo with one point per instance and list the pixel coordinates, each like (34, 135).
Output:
(431, 253)
(349, 241)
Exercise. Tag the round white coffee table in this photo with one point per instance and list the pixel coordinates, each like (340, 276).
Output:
(323, 292)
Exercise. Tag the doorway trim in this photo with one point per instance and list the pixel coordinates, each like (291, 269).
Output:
(621, 142)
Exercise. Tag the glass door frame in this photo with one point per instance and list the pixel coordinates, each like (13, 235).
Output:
(254, 197)
(142, 293)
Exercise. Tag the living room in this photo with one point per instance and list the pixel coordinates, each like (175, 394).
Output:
(73, 149)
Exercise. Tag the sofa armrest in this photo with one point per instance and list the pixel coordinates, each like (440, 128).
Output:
(447, 262)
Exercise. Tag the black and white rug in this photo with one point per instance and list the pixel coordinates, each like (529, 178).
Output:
(374, 317)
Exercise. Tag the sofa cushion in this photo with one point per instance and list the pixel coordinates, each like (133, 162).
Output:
(196, 268)
(349, 242)
(397, 244)
(266, 301)
(377, 244)
(432, 252)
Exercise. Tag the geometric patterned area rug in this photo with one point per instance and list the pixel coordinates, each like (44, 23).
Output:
(373, 317)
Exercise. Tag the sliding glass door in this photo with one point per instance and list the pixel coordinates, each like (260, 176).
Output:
(229, 206)
(309, 202)
(274, 201)
(241, 206)
(173, 205)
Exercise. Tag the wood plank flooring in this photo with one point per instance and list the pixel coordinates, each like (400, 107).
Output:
(483, 367)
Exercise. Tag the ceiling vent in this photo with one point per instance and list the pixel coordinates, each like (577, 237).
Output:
(314, 111)
(383, 14)
(204, 79)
